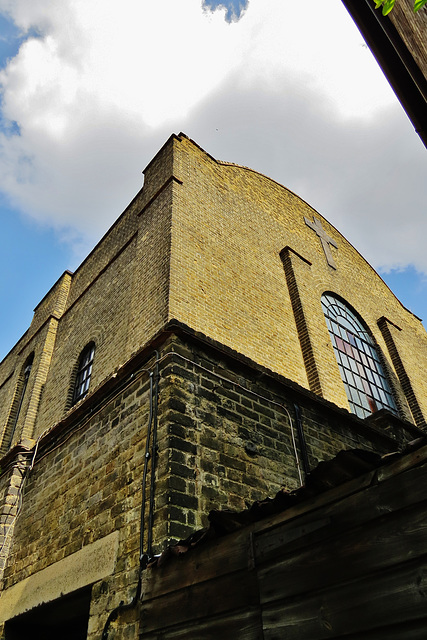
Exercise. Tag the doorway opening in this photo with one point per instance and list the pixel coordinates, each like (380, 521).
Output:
(66, 618)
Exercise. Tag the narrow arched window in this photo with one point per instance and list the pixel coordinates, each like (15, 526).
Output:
(84, 372)
(21, 388)
(362, 372)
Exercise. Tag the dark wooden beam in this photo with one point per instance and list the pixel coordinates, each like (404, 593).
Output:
(395, 59)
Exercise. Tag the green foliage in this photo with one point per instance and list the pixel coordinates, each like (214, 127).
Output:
(387, 5)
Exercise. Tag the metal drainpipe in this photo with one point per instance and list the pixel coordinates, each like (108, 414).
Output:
(144, 558)
(155, 397)
(302, 441)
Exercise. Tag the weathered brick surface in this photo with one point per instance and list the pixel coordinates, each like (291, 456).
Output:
(11, 483)
(213, 266)
(88, 486)
(224, 440)
(202, 243)
(228, 436)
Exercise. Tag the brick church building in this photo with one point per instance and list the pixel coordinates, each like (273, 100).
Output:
(220, 341)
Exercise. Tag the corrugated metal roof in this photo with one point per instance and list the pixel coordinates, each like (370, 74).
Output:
(345, 466)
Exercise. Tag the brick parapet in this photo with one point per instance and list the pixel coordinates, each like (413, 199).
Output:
(106, 250)
(53, 304)
(161, 169)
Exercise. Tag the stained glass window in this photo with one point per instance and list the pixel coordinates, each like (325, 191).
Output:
(362, 373)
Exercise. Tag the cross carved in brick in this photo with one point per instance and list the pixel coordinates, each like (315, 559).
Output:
(326, 240)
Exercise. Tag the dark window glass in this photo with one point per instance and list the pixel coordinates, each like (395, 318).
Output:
(364, 378)
(84, 372)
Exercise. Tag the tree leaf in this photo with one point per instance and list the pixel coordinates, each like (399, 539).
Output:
(418, 4)
(387, 6)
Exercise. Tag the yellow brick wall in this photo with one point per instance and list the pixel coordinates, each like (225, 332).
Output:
(227, 280)
(226, 251)
(204, 242)
(53, 304)
(118, 297)
(40, 341)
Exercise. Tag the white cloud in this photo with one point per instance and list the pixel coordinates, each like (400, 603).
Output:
(151, 59)
(367, 178)
(289, 90)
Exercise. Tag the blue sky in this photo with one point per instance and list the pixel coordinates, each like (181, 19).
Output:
(84, 109)
(31, 254)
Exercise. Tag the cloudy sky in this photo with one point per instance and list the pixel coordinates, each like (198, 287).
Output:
(91, 89)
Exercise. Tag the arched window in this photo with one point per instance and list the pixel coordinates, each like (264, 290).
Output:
(84, 372)
(361, 370)
(21, 388)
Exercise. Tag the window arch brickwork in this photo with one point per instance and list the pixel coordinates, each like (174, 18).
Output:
(358, 358)
(18, 400)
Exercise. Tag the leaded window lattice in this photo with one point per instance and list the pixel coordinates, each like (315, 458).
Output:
(84, 373)
(362, 373)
